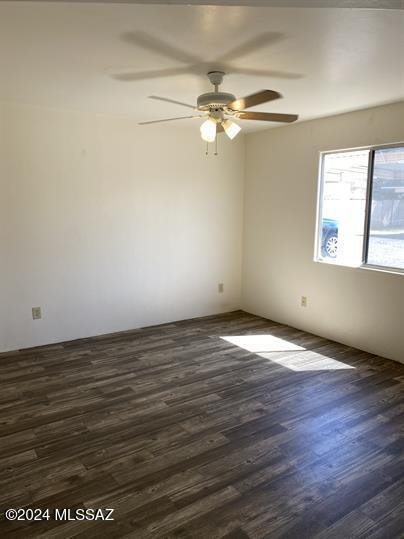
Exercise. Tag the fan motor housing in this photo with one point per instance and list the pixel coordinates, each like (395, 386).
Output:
(214, 100)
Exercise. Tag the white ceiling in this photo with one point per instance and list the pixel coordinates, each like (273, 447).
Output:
(323, 61)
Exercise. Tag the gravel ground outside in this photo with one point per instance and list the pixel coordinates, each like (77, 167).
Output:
(387, 251)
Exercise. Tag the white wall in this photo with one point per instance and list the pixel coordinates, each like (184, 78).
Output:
(109, 226)
(361, 308)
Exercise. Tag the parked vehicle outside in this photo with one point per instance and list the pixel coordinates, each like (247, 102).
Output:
(329, 238)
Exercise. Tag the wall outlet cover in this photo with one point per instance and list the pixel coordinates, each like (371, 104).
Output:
(36, 313)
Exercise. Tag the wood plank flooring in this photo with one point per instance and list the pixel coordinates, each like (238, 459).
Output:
(185, 434)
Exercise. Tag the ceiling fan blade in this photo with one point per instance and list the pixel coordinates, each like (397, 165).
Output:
(168, 120)
(269, 73)
(267, 116)
(151, 43)
(257, 42)
(172, 101)
(254, 99)
(151, 74)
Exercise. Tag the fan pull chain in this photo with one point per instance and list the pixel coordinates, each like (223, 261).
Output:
(207, 146)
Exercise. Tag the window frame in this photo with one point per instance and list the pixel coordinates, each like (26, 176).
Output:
(368, 203)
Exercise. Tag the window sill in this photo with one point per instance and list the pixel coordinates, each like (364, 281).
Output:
(371, 267)
(394, 271)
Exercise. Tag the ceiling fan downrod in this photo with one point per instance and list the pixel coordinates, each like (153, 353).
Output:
(216, 78)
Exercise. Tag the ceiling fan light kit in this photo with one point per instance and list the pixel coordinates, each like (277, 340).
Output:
(231, 129)
(218, 107)
(208, 130)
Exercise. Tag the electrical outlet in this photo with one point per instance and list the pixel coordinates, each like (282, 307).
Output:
(303, 301)
(36, 313)
(220, 288)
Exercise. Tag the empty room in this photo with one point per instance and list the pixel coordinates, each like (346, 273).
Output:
(202, 269)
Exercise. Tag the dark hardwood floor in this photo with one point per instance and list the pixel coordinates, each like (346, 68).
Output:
(185, 434)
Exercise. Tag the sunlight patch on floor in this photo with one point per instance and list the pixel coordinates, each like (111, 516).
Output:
(310, 361)
(270, 347)
(262, 343)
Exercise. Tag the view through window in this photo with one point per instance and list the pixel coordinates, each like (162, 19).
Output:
(349, 193)
(344, 177)
(386, 226)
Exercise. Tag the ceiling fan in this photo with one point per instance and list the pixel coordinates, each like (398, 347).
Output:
(219, 108)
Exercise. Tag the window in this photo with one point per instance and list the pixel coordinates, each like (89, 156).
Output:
(386, 221)
(361, 208)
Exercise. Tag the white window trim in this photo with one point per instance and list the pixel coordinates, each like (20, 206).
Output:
(319, 210)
